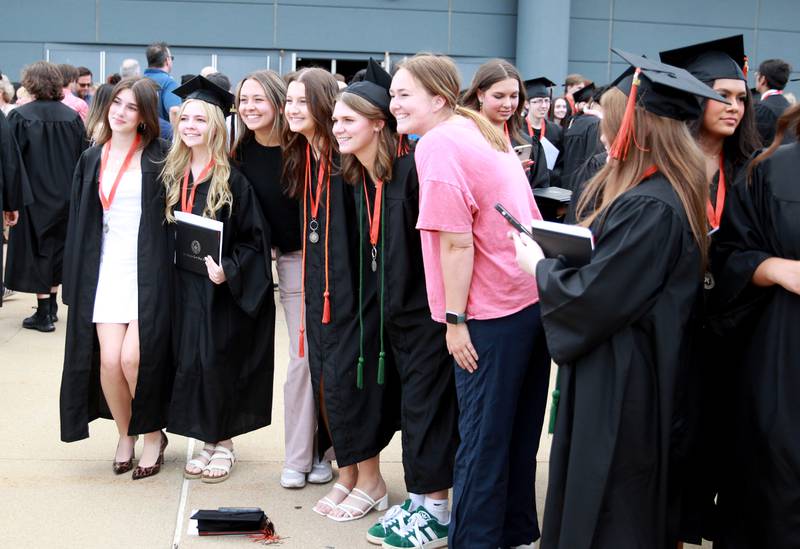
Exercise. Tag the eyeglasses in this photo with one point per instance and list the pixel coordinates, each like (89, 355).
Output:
(84, 85)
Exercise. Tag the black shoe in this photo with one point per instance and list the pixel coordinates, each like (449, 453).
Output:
(39, 321)
(53, 308)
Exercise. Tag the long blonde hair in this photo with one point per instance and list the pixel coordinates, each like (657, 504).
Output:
(180, 157)
(438, 74)
(657, 140)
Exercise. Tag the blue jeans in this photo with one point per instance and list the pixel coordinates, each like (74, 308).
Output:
(501, 407)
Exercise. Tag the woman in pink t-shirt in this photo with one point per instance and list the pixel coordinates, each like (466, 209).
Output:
(494, 331)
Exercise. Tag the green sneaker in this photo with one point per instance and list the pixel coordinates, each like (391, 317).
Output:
(394, 519)
(422, 531)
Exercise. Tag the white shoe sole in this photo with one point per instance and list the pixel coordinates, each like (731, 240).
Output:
(313, 479)
(293, 484)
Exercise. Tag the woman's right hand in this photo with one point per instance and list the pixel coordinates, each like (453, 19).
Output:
(783, 272)
(529, 253)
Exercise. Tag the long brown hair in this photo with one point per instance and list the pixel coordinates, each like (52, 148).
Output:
(789, 121)
(438, 74)
(387, 142)
(321, 91)
(145, 91)
(489, 74)
(662, 141)
(275, 90)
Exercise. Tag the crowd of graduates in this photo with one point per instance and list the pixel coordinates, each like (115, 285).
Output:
(411, 305)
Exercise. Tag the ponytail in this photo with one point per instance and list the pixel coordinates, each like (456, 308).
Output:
(496, 139)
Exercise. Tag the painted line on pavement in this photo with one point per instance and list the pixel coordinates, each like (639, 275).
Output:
(176, 540)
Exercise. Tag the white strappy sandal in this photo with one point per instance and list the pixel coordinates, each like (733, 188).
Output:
(197, 463)
(354, 513)
(329, 502)
(220, 452)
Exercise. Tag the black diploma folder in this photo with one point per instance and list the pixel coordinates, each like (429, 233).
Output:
(195, 238)
(575, 244)
(231, 521)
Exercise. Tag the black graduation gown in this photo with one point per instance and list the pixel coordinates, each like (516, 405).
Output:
(581, 142)
(51, 138)
(538, 175)
(616, 329)
(555, 134)
(360, 421)
(415, 342)
(82, 398)
(760, 500)
(767, 113)
(224, 334)
(585, 173)
(14, 190)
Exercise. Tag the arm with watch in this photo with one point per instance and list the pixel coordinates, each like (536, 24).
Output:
(456, 253)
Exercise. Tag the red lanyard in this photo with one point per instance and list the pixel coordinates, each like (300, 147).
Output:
(768, 93)
(505, 130)
(188, 205)
(714, 213)
(374, 217)
(530, 128)
(320, 173)
(106, 201)
(648, 172)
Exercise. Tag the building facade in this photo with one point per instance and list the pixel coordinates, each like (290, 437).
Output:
(543, 37)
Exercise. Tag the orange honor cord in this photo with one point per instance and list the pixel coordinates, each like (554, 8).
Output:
(619, 149)
(107, 201)
(505, 131)
(714, 213)
(188, 204)
(532, 132)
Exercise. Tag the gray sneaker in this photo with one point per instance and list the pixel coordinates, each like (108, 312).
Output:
(321, 472)
(292, 479)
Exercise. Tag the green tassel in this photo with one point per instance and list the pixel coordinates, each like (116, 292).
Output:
(360, 373)
(381, 368)
(554, 410)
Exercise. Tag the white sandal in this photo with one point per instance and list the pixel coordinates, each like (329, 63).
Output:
(329, 502)
(354, 513)
(220, 452)
(197, 463)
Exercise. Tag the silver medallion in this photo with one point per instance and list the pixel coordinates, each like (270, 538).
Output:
(105, 227)
(313, 237)
(708, 281)
(374, 259)
(313, 226)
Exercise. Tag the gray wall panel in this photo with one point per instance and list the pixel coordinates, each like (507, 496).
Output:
(730, 13)
(47, 21)
(504, 7)
(15, 55)
(588, 40)
(780, 15)
(592, 9)
(484, 35)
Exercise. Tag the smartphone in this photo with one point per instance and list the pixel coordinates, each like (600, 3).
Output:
(523, 152)
(512, 220)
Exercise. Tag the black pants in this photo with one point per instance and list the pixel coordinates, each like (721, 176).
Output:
(428, 410)
(501, 409)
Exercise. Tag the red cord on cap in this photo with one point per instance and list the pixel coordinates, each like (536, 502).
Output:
(619, 149)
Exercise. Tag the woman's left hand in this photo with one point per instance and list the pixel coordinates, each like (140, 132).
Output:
(215, 272)
(528, 252)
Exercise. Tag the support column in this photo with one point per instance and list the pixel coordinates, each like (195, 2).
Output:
(543, 38)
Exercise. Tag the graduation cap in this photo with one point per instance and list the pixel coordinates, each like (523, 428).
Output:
(658, 88)
(538, 87)
(585, 93)
(708, 61)
(375, 87)
(203, 89)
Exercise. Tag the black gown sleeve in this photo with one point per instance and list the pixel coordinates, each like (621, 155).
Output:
(539, 175)
(9, 169)
(71, 245)
(247, 264)
(634, 253)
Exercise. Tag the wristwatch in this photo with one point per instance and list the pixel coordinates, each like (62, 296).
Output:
(455, 318)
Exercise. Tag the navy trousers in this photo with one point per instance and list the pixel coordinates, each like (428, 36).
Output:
(501, 410)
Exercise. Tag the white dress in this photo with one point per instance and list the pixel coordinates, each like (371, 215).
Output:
(117, 297)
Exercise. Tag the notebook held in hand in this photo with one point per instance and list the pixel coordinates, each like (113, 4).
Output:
(195, 238)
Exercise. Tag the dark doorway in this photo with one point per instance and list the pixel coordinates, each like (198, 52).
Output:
(345, 67)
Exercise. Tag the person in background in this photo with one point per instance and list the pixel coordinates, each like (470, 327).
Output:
(559, 109)
(97, 119)
(497, 92)
(159, 65)
(69, 75)
(490, 308)
(573, 83)
(771, 79)
(113, 79)
(117, 282)
(758, 261)
(260, 99)
(6, 94)
(84, 86)
(23, 96)
(130, 68)
(224, 321)
(51, 138)
(726, 134)
(620, 429)
(539, 128)
(582, 139)
(14, 193)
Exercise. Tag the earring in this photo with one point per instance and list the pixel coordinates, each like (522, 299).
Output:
(140, 127)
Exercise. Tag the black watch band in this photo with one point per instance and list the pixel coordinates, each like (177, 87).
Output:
(455, 318)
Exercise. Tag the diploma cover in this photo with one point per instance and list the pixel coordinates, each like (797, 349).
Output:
(574, 244)
(195, 238)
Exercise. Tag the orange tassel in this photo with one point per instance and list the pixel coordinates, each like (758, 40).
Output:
(302, 346)
(622, 142)
(746, 67)
(326, 309)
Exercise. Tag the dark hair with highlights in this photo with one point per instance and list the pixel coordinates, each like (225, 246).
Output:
(145, 91)
(489, 74)
(43, 81)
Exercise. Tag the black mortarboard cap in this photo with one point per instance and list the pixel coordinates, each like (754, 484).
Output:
(585, 93)
(203, 89)
(375, 87)
(664, 90)
(538, 87)
(708, 61)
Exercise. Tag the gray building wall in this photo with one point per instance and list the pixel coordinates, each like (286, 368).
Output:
(545, 37)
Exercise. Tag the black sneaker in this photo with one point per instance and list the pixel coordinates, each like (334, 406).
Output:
(41, 322)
